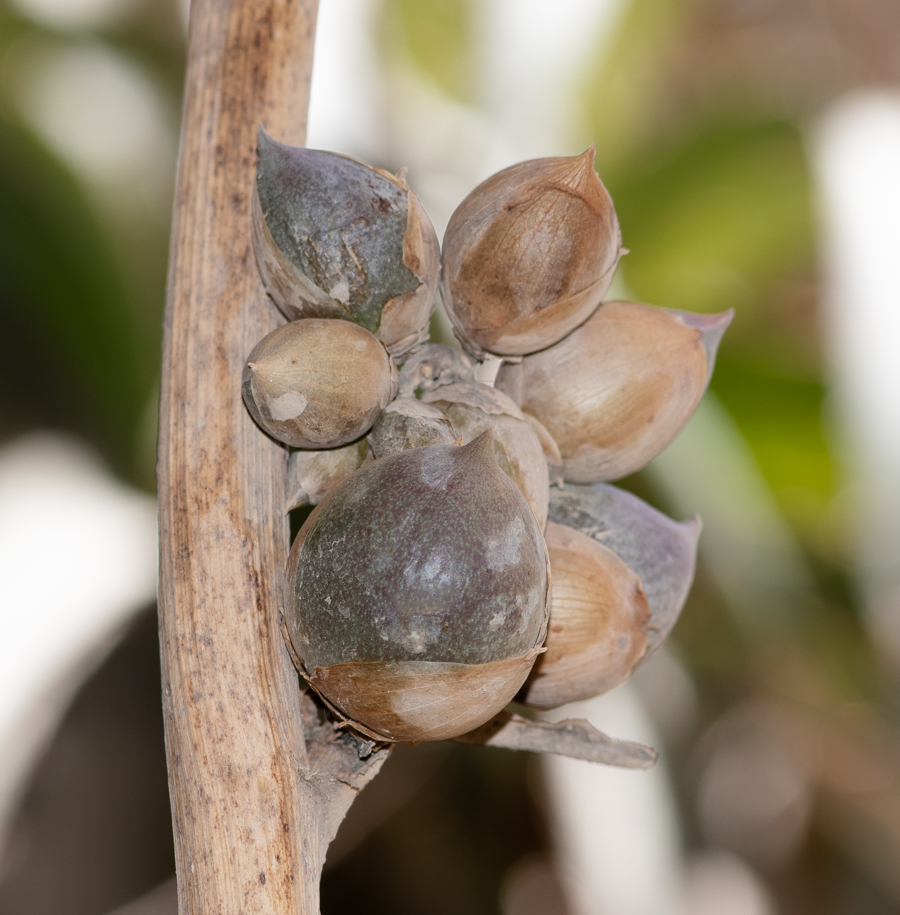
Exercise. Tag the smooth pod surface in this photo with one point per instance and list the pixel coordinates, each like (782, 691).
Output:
(598, 623)
(618, 389)
(336, 238)
(660, 551)
(318, 383)
(528, 255)
(430, 555)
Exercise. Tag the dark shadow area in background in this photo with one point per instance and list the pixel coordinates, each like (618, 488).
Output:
(94, 829)
(439, 830)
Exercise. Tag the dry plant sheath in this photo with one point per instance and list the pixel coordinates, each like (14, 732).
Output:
(255, 799)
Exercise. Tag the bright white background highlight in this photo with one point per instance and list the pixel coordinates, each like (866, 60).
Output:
(77, 559)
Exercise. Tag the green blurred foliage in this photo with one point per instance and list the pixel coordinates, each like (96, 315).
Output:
(71, 355)
(437, 38)
(83, 284)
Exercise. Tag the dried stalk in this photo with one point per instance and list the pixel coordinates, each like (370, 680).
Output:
(255, 799)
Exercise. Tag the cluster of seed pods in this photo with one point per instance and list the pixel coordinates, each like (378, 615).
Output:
(466, 548)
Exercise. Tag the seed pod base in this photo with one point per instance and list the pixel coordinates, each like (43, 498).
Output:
(416, 701)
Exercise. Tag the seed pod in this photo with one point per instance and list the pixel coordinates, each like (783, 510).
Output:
(318, 383)
(618, 389)
(473, 408)
(312, 473)
(550, 448)
(660, 551)
(598, 623)
(417, 593)
(528, 255)
(336, 238)
(408, 423)
(432, 366)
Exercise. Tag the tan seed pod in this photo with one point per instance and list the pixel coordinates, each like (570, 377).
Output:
(618, 389)
(409, 423)
(473, 408)
(599, 621)
(336, 238)
(528, 255)
(318, 383)
(417, 593)
(660, 551)
(312, 473)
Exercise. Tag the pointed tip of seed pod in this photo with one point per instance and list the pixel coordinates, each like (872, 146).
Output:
(712, 328)
(692, 528)
(481, 446)
(264, 140)
(583, 166)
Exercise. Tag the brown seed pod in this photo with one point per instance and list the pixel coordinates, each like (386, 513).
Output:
(599, 620)
(618, 389)
(417, 593)
(660, 551)
(528, 255)
(473, 408)
(318, 383)
(336, 238)
(312, 473)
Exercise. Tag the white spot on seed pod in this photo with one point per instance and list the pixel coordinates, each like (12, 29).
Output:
(287, 406)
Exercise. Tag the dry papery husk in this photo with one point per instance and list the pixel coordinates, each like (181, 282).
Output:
(528, 255)
(318, 383)
(312, 473)
(409, 423)
(417, 594)
(599, 620)
(616, 391)
(473, 408)
(336, 238)
(432, 366)
(660, 551)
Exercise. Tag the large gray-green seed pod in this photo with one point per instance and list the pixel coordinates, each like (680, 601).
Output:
(417, 593)
(336, 238)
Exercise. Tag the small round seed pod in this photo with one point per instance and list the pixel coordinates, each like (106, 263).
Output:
(408, 423)
(618, 389)
(312, 473)
(336, 238)
(528, 255)
(417, 593)
(660, 551)
(318, 383)
(599, 621)
(473, 408)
